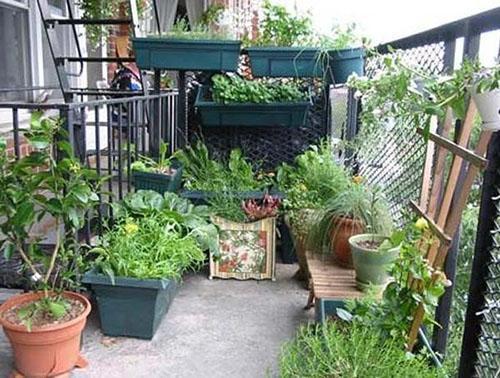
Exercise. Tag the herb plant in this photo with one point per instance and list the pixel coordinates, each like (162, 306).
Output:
(202, 172)
(178, 213)
(183, 30)
(48, 183)
(337, 350)
(146, 164)
(234, 89)
(147, 248)
(233, 208)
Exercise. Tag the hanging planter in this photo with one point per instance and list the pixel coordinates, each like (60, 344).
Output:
(488, 105)
(131, 307)
(282, 114)
(372, 263)
(247, 250)
(186, 54)
(306, 62)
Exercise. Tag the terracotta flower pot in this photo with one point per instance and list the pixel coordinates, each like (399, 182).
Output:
(343, 229)
(49, 351)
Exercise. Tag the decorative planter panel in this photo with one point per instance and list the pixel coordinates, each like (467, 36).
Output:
(158, 182)
(131, 307)
(186, 54)
(292, 114)
(247, 250)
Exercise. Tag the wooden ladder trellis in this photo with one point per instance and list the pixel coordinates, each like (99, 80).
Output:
(444, 192)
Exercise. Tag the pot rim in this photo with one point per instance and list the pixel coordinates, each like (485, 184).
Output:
(354, 239)
(25, 297)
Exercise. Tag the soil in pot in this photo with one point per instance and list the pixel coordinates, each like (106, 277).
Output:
(49, 349)
(42, 319)
(371, 245)
(343, 229)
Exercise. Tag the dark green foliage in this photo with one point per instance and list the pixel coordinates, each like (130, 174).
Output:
(233, 89)
(336, 350)
(201, 172)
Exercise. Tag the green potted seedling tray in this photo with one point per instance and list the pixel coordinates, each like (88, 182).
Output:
(186, 54)
(284, 114)
(305, 62)
(159, 182)
(131, 307)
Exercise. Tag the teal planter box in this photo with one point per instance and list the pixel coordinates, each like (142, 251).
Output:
(186, 54)
(292, 114)
(284, 61)
(158, 182)
(306, 62)
(131, 307)
(346, 62)
(326, 308)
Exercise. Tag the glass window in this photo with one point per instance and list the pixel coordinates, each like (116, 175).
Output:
(14, 59)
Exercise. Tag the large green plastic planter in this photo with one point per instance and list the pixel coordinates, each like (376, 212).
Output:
(284, 61)
(343, 63)
(186, 54)
(306, 62)
(131, 307)
(283, 114)
(159, 182)
(371, 266)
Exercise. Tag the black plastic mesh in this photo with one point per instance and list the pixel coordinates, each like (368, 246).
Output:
(393, 158)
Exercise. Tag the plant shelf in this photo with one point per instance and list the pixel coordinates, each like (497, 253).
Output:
(186, 54)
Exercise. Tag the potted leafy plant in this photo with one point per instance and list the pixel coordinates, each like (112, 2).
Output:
(372, 257)
(288, 47)
(204, 177)
(44, 326)
(247, 238)
(200, 47)
(162, 175)
(486, 95)
(234, 101)
(140, 260)
(308, 184)
(355, 210)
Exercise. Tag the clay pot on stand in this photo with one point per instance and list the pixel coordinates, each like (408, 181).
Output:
(343, 229)
(47, 351)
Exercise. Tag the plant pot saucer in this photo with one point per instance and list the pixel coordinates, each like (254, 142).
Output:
(81, 363)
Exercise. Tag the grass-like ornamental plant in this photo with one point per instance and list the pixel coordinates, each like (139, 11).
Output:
(337, 350)
(357, 202)
(234, 89)
(48, 183)
(147, 248)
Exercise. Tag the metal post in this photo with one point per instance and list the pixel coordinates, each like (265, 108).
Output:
(182, 109)
(482, 258)
(154, 130)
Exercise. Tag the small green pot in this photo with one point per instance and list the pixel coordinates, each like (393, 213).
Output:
(159, 182)
(371, 266)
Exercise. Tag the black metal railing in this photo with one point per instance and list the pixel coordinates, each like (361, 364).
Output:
(107, 135)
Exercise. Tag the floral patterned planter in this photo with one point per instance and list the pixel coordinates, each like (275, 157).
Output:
(247, 250)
